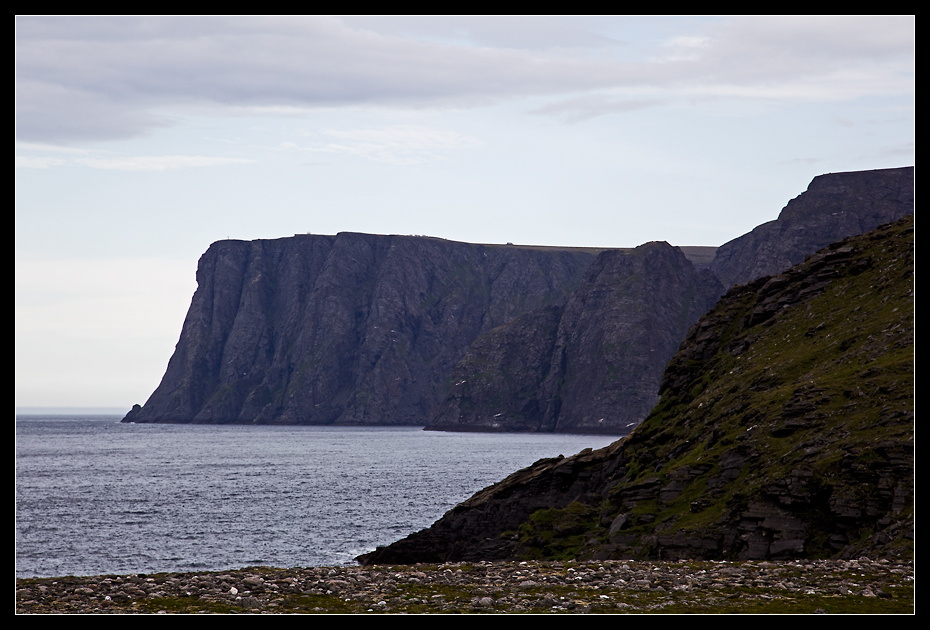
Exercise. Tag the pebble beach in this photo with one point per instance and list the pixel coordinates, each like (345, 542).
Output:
(823, 586)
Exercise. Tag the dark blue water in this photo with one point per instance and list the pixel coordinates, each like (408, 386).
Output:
(94, 496)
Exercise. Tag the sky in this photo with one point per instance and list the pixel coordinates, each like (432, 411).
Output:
(142, 140)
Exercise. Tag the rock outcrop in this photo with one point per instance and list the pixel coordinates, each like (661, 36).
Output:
(345, 329)
(593, 366)
(785, 430)
(835, 205)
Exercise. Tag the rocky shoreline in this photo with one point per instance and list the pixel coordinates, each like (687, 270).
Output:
(820, 586)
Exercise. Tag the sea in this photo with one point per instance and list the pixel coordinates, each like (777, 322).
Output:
(95, 496)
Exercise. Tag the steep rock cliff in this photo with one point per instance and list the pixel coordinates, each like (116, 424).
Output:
(626, 319)
(347, 329)
(593, 366)
(361, 329)
(785, 430)
(835, 205)
(496, 386)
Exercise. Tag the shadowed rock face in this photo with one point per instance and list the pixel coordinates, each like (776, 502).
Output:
(496, 386)
(348, 329)
(618, 331)
(785, 430)
(593, 366)
(834, 206)
(362, 329)
(627, 318)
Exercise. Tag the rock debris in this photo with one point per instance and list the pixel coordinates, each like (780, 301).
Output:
(618, 586)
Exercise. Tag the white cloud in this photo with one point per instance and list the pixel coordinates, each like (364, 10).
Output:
(157, 162)
(105, 78)
(26, 161)
(398, 144)
(591, 106)
(522, 32)
(37, 146)
(684, 48)
(131, 163)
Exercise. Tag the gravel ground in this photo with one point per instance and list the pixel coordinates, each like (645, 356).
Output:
(823, 586)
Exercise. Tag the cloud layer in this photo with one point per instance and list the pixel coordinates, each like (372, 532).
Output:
(88, 78)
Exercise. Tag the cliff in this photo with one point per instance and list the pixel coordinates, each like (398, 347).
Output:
(592, 366)
(834, 206)
(363, 329)
(598, 368)
(785, 430)
(346, 329)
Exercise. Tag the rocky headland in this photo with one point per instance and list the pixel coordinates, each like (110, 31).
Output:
(785, 430)
(350, 329)
(357, 329)
(599, 364)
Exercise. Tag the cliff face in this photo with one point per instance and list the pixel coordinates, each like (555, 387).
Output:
(593, 366)
(633, 308)
(785, 430)
(362, 329)
(348, 329)
(834, 206)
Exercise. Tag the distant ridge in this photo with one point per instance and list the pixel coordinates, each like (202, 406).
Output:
(834, 206)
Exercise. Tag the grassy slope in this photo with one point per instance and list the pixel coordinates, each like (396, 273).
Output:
(812, 405)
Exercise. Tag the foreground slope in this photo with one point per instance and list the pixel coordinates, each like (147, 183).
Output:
(785, 430)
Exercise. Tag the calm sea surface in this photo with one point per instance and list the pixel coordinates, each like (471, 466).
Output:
(94, 496)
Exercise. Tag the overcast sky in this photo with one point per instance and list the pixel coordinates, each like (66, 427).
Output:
(140, 141)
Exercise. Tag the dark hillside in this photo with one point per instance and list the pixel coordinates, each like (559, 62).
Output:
(785, 430)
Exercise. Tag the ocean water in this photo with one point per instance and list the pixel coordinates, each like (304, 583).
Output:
(94, 496)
